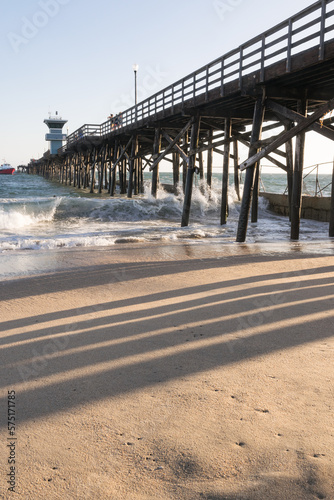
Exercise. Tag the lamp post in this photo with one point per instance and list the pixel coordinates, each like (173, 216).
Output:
(135, 69)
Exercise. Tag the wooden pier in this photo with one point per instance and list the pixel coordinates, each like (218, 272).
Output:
(280, 81)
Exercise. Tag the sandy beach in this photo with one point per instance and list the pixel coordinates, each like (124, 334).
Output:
(178, 372)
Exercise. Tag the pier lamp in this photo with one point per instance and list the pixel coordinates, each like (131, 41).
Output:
(135, 69)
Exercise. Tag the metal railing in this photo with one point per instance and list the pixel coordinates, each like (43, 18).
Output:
(312, 27)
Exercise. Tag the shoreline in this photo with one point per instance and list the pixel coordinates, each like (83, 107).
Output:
(171, 371)
(23, 263)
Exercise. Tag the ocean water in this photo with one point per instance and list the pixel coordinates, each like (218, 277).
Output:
(37, 214)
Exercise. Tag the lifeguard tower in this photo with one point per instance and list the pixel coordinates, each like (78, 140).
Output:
(55, 135)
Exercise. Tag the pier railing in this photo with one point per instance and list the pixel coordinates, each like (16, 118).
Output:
(310, 28)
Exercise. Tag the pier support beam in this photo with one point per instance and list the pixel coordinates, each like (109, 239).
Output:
(184, 163)
(156, 153)
(256, 193)
(297, 189)
(122, 174)
(176, 169)
(101, 169)
(236, 168)
(289, 164)
(210, 158)
(113, 169)
(226, 165)
(190, 171)
(331, 218)
(134, 150)
(249, 178)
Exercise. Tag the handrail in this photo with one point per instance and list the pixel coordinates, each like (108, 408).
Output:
(280, 43)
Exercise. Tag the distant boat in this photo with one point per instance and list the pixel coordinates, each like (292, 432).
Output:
(7, 169)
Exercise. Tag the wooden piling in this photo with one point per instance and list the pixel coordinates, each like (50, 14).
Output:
(136, 177)
(297, 188)
(134, 149)
(226, 165)
(74, 161)
(123, 170)
(190, 171)
(101, 170)
(141, 176)
(249, 177)
(107, 160)
(113, 169)
(156, 153)
(209, 160)
(256, 193)
(236, 168)
(331, 219)
(184, 163)
(289, 164)
(92, 173)
(176, 169)
(201, 165)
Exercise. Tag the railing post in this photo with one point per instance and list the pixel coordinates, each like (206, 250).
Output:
(288, 56)
(173, 97)
(263, 55)
(222, 77)
(240, 66)
(322, 31)
(207, 84)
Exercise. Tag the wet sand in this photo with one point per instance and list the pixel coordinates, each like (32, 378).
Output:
(176, 372)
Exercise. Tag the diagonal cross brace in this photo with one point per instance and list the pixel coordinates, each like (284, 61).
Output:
(123, 153)
(287, 135)
(291, 115)
(177, 148)
(269, 157)
(172, 144)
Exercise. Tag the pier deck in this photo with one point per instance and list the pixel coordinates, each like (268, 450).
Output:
(281, 80)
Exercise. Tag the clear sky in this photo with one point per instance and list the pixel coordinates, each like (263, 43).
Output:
(76, 57)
